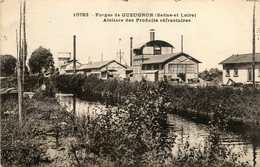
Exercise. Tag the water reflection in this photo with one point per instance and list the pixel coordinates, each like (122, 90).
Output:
(196, 135)
(245, 149)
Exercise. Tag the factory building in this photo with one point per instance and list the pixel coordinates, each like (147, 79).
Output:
(104, 69)
(238, 69)
(156, 59)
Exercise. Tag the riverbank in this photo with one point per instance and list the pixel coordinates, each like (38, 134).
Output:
(223, 106)
(227, 105)
(133, 134)
(43, 137)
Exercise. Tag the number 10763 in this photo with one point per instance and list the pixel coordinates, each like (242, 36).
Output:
(80, 14)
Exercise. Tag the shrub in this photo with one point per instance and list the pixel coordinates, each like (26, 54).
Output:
(133, 134)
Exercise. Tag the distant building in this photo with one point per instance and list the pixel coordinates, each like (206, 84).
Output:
(174, 65)
(65, 64)
(67, 67)
(156, 59)
(238, 69)
(104, 69)
(129, 72)
(63, 58)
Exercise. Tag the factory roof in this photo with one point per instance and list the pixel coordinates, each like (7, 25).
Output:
(241, 58)
(167, 57)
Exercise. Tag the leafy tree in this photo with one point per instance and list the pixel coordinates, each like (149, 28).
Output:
(41, 61)
(211, 74)
(8, 63)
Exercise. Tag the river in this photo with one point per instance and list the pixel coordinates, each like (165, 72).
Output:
(245, 147)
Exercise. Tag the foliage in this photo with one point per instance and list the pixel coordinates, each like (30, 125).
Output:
(225, 104)
(201, 103)
(8, 63)
(9, 82)
(41, 61)
(137, 127)
(134, 131)
(211, 74)
(25, 145)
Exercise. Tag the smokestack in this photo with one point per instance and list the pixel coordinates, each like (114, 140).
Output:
(131, 51)
(152, 34)
(182, 43)
(74, 54)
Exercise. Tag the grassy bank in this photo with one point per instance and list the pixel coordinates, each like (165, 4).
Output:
(40, 135)
(204, 104)
(221, 105)
(134, 134)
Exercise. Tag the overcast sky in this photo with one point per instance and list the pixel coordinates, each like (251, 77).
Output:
(221, 27)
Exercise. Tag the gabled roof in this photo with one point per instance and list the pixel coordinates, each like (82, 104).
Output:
(241, 58)
(163, 58)
(69, 62)
(84, 66)
(129, 69)
(69, 67)
(98, 65)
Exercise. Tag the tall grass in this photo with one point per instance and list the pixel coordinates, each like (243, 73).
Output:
(25, 145)
(234, 106)
(132, 133)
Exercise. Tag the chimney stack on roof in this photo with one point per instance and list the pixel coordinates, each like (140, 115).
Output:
(152, 34)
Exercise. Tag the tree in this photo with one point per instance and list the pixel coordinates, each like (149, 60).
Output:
(8, 63)
(41, 61)
(211, 74)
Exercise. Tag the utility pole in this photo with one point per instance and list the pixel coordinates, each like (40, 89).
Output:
(74, 54)
(253, 56)
(120, 55)
(19, 72)
(24, 44)
(74, 71)
(131, 51)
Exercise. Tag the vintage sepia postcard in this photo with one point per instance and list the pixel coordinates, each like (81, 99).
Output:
(130, 82)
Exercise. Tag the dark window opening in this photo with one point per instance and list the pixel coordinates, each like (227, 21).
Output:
(235, 73)
(156, 66)
(157, 50)
(250, 75)
(227, 73)
(149, 67)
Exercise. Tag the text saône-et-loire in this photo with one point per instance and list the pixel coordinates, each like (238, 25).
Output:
(146, 15)
(150, 17)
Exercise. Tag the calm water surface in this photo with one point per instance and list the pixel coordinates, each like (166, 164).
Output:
(185, 131)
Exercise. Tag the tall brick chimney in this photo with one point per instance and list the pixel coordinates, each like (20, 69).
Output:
(152, 34)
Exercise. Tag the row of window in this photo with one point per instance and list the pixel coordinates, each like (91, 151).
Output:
(235, 74)
(151, 67)
(172, 68)
(181, 68)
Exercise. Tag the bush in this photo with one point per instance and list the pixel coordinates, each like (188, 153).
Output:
(24, 145)
(133, 134)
